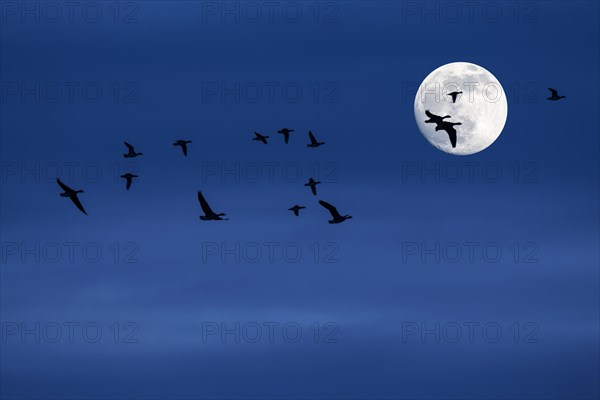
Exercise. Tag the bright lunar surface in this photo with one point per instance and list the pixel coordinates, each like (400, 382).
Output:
(481, 108)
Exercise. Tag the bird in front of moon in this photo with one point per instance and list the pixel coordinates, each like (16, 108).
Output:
(435, 119)
(440, 125)
(454, 95)
(474, 100)
(449, 128)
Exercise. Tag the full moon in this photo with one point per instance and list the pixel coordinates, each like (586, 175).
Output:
(481, 108)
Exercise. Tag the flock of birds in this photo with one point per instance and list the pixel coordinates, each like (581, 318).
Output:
(209, 214)
(441, 125)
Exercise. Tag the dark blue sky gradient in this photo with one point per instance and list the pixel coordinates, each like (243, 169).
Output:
(375, 54)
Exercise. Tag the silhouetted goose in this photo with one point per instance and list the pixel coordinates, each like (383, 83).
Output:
(260, 138)
(209, 214)
(131, 152)
(337, 217)
(286, 134)
(129, 177)
(313, 140)
(449, 128)
(435, 118)
(183, 144)
(555, 95)
(296, 209)
(313, 185)
(454, 95)
(72, 194)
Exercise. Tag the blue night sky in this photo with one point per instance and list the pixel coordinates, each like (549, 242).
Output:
(483, 285)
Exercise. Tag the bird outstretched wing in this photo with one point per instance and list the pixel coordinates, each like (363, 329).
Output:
(77, 203)
(204, 204)
(313, 140)
(63, 186)
(332, 210)
(553, 91)
(431, 115)
(130, 147)
(452, 135)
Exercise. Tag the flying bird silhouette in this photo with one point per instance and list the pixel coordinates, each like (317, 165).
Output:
(449, 128)
(337, 217)
(72, 194)
(286, 134)
(313, 185)
(260, 138)
(555, 95)
(435, 118)
(129, 177)
(131, 153)
(313, 140)
(209, 214)
(296, 209)
(183, 144)
(454, 95)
